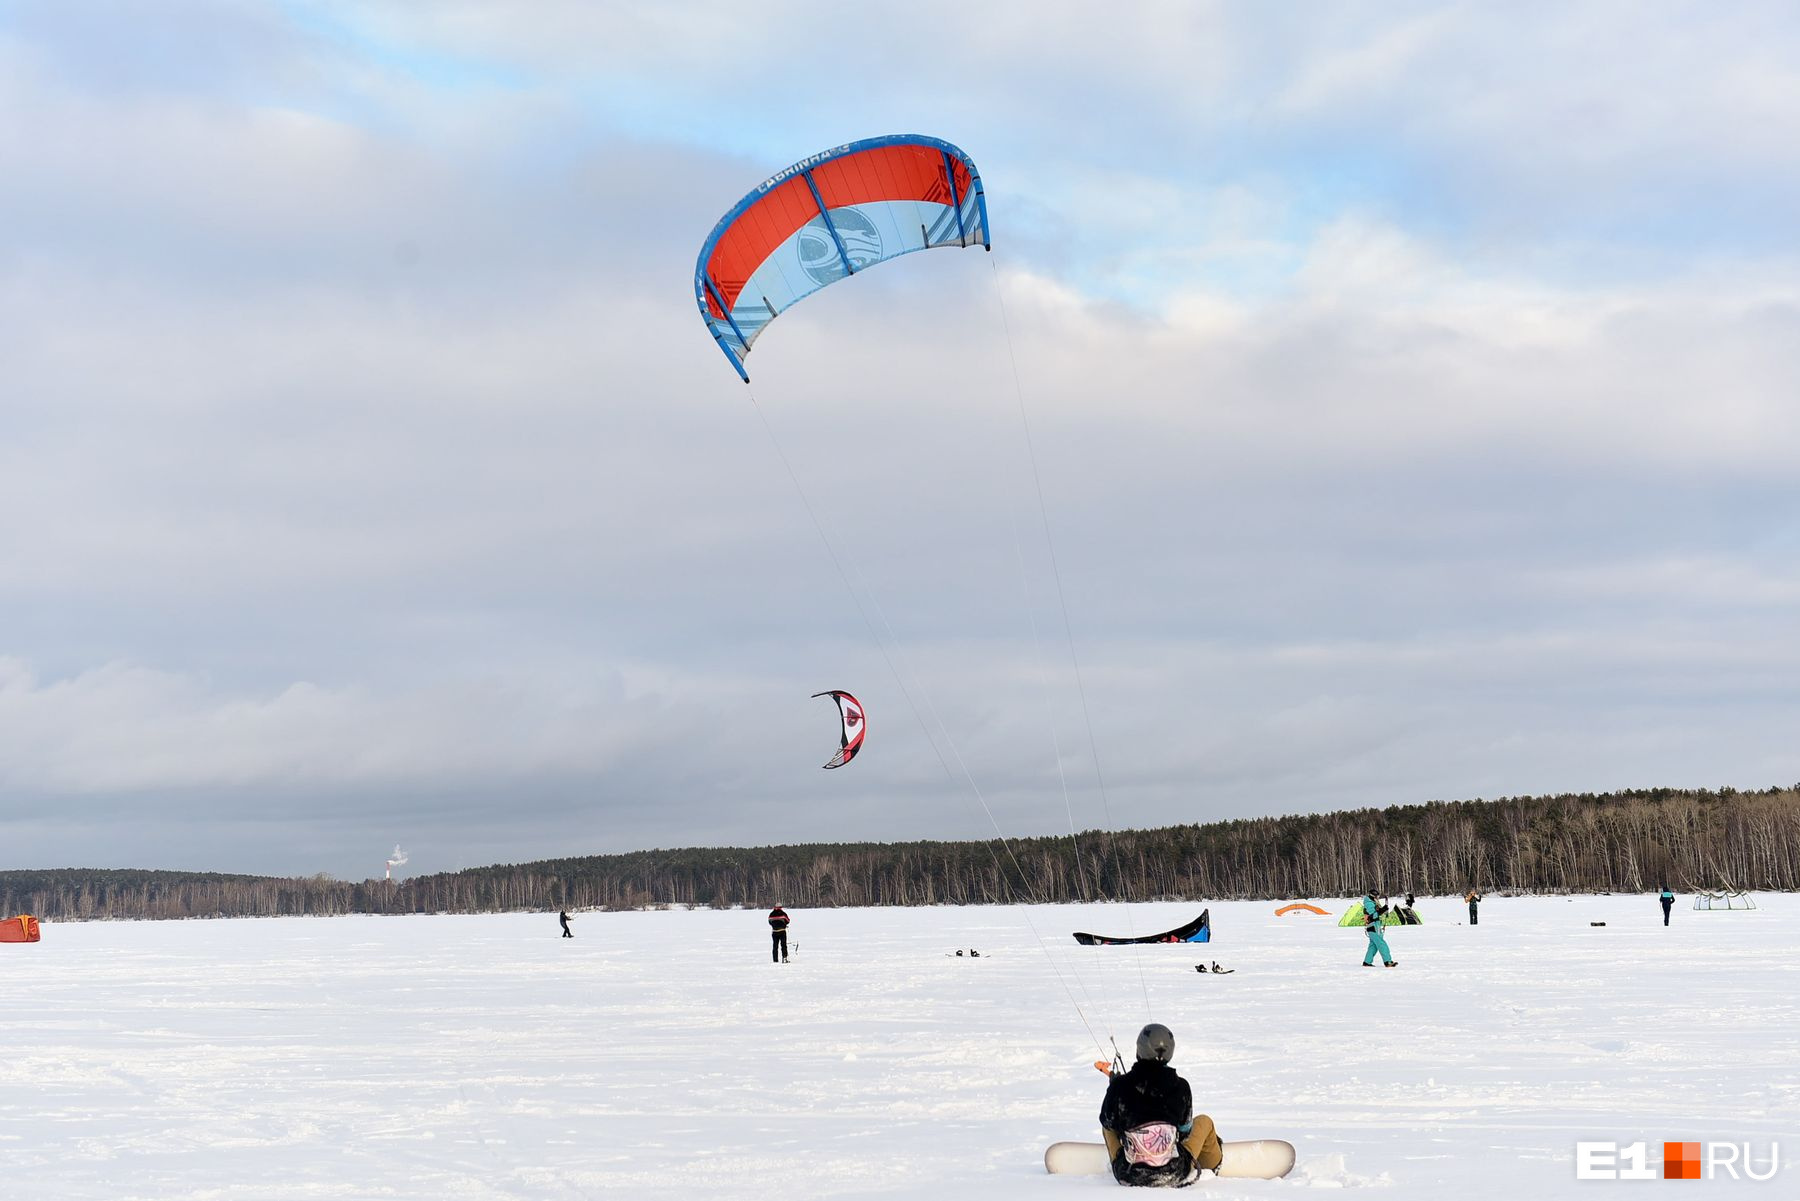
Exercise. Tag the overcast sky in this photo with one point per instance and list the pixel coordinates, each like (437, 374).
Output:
(1414, 391)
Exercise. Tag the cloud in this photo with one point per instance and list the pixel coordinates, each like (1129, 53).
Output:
(366, 475)
(126, 728)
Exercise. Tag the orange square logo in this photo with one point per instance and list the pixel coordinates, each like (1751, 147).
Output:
(1681, 1161)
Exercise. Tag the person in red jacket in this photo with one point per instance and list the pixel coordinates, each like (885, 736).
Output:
(778, 924)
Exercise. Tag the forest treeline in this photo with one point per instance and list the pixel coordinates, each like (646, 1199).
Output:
(1628, 841)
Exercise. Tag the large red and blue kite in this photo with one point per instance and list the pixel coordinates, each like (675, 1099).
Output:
(826, 218)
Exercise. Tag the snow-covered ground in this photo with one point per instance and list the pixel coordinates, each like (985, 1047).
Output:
(661, 1054)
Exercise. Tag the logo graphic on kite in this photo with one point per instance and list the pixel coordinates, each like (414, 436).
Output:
(826, 218)
(817, 247)
(850, 712)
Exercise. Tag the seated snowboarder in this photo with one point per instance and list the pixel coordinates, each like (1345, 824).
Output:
(1152, 1134)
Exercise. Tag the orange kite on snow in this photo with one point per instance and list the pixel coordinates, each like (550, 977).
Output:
(23, 928)
(1301, 905)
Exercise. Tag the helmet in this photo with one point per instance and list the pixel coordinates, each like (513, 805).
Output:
(1155, 1042)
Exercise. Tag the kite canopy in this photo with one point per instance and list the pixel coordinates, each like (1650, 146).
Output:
(826, 218)
(850, 712)
(1198, 930)
(1397, 915)
(1301, 907)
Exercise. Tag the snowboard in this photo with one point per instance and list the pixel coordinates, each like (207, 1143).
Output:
(1248, 1159)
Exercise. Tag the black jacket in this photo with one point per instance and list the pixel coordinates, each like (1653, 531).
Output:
(1149, 1092)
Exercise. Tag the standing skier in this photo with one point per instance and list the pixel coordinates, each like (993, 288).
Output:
(1668, 903)
(563, 917)
(1474, 900)
(1373, 910)
(1152, 1134)
(778, 924)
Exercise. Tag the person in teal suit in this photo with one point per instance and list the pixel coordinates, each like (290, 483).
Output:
(1373, 910)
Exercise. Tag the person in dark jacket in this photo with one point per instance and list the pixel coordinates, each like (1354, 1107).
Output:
(1152, 1134)
(1474, 900)
(563, 917)
(1668, 902)
(778, 924)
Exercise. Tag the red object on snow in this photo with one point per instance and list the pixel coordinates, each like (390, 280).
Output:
(23, 928)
